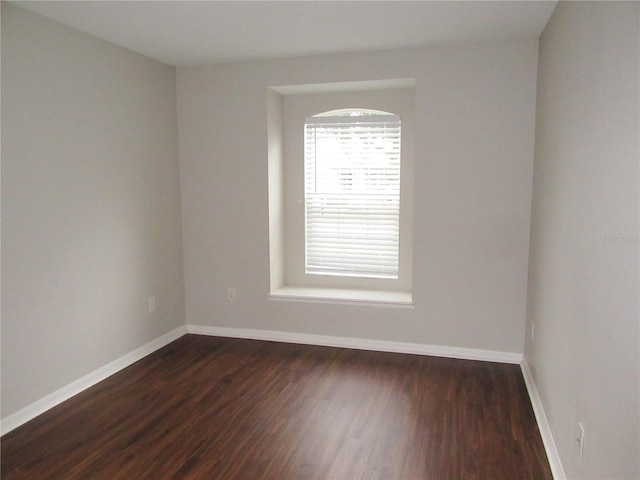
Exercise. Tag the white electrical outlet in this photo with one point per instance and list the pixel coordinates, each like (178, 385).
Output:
(152, 304)
(580, 439)
(231, 294)
(533, 331)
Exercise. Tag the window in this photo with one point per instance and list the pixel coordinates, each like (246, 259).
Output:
(352, 194)
(341, 192)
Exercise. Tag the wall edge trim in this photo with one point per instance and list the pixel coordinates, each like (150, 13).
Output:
(543, 424)
(359, 343)
(55, 398)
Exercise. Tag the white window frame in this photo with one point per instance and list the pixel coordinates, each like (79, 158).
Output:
(289, 281)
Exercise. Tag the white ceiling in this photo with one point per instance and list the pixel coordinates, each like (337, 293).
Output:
(203, 32)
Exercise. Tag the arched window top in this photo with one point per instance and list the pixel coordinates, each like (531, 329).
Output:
(352, 194)
(351, 112)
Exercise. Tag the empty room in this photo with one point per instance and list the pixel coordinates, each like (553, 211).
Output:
(320, 240)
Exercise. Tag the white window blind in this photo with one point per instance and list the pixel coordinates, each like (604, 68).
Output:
(352, 195)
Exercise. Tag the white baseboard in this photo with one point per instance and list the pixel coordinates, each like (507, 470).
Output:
(543, 425)
(40, 406)
(359, 343)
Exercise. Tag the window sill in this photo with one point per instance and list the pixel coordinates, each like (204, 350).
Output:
(343, 296)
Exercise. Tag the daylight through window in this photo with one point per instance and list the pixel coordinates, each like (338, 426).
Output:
(352, 194)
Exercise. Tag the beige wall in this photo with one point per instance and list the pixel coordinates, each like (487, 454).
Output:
(474, 125)
(583, 276)
(90, 205)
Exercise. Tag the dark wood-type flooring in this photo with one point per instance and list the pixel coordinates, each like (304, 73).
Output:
(216, 408)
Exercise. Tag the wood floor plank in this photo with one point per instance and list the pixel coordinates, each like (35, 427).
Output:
(219, 408)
